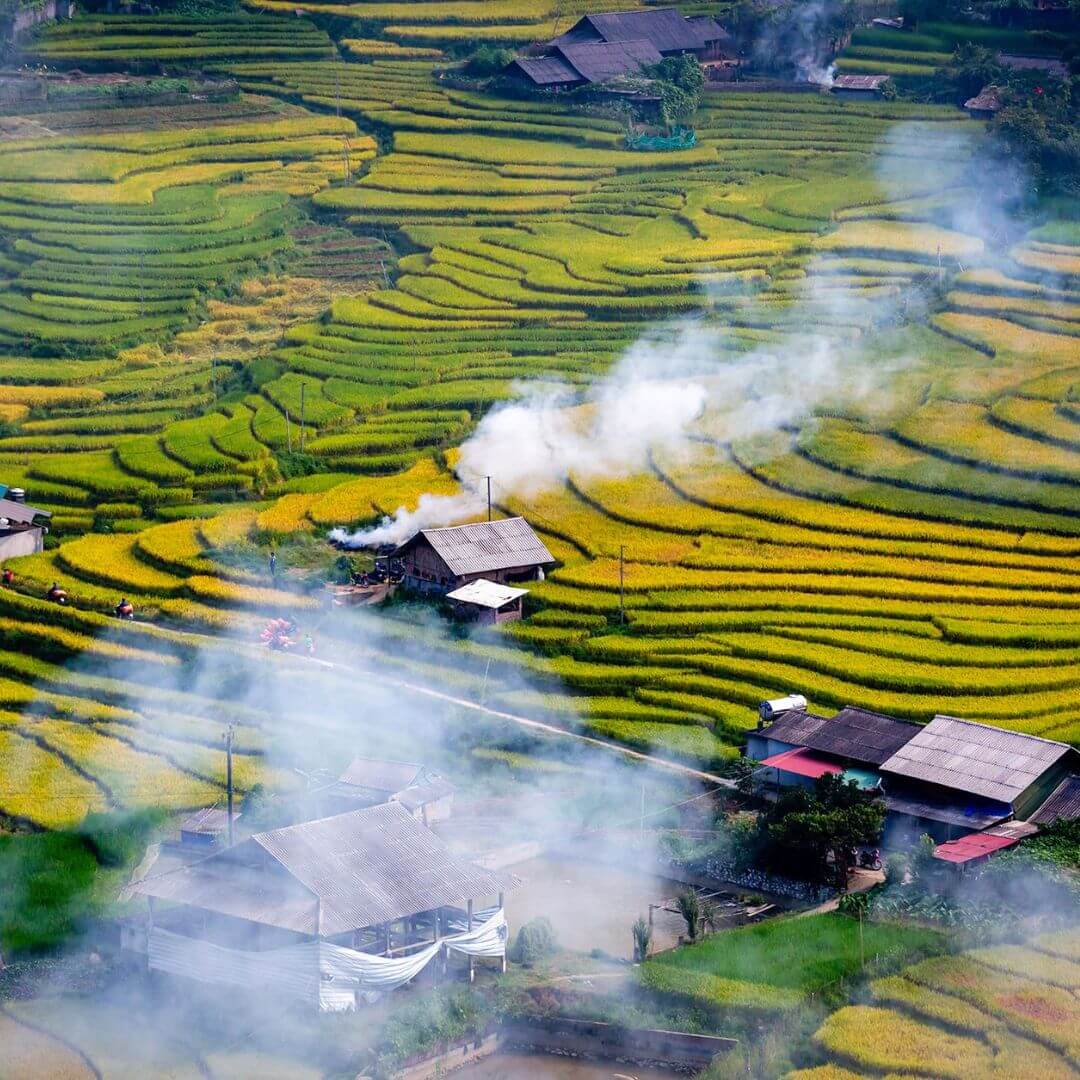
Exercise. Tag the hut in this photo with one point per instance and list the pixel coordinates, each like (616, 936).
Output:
(984, 104)
(666, 29)
(22, 528)
(578, 63)
(440, 561)
(859, 86)
(487, 602)
(330, 913)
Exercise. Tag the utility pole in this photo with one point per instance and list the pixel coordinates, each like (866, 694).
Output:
(622, 584)
(303, 387)
(230, 732)
(488, 479)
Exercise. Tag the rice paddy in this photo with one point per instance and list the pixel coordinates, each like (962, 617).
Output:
(238, 322)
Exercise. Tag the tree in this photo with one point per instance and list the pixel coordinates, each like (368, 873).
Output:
(488, 60)
(822, 828)
(1038, 129)
(697, 912)
(678, 80)
(915, 11)
(642, 932)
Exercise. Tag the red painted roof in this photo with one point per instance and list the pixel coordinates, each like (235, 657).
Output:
(972, 846)
(803, 762)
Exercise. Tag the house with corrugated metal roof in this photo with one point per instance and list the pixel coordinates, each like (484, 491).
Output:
(946, 778)
(614, 44)
(22, 527)
(330, 911)
(371, 781)
(442, 560)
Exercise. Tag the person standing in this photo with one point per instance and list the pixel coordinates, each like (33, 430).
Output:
(273, 563)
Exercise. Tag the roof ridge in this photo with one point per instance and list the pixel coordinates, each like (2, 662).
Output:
(994, 727)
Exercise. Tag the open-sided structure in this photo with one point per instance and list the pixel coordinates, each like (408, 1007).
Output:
(329, 911)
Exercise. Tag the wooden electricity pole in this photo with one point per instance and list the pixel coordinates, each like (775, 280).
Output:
(230, 733)
(622, 584)
(303, 387)
(488, 478)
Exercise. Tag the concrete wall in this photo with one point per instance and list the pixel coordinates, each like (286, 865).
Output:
(20, 542)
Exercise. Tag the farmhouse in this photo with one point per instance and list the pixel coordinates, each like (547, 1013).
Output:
(859, 86)
(948, 777)
(503, 551)
(20, 531)
(598, 48)
(328, 912)
(984, 104)
(371, 781)
(487, 602)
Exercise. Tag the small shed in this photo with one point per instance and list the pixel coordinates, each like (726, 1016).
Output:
(22, 527)
(859, 86)
(206, 828)
(985, 103)
(429, 802)
(487, 602)
(442, 560)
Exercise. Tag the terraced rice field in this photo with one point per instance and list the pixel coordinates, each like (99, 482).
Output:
(997, 1012)
(912, 550)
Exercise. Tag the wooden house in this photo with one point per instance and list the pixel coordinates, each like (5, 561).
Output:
(487, 602)
(440, 561)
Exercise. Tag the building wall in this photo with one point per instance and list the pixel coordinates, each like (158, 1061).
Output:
(1039, 792)
(426, 572)
(21, 542)
(759, 747)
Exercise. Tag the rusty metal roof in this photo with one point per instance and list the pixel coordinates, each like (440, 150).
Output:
(1048, 64)
(1063, 804)
(859, 82)
(665, 28)
(599, 61)
(332, 876)
(485, 546)
(546, 70)
(988, 99)
(975, 758)
(378, 775)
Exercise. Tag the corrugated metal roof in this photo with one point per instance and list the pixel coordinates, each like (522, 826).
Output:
(485, 546)
(378, 775)
(375, 866)
(853, 733)
(971, 847)
(1063, 804)
(412, 798)
(210, 819)
(859, 82)
(546, 70)
(1034, 63)
(484, 593)
(988, 99)
(20, 512)
(333, 875)
(665, 28)
(802, 762)
(599, 61)
(967, 813)
(975, 758)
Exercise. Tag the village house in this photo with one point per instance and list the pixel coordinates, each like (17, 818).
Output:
(599, 48)
(505, 551)
(371, 781)
(984, 104)
(487, 602)
(948, 778)
(329, 912)
(859, 86)
(21, 533)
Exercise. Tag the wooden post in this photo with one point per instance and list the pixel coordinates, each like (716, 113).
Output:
(472, 968)
(622, 591)
(488, 478)
(504, 946)
(388, 940)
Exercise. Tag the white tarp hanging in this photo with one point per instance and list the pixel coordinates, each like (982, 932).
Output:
(332, 973)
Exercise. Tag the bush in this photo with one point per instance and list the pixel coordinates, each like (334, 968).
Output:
(488, 60)
(535, 942)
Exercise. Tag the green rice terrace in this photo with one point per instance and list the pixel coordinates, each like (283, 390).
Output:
(269, 272)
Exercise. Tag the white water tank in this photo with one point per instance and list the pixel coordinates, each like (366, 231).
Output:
(769, 710)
